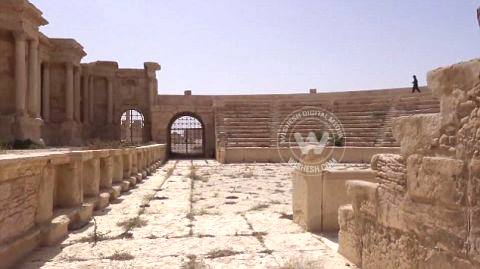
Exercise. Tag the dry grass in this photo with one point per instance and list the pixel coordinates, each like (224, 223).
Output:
(204, 211)
(248, 174)
(19, 144)
(259, 236)
(103, 144)
(302, 263)
(194, 263)
(170, 171)
(259, 207)
(195, 176)
(190, 216)
(120, 256)
(219, 253)
(132, 223)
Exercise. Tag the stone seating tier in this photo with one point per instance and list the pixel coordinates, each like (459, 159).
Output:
(366, 120)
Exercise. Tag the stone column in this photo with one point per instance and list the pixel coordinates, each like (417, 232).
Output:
(91, 98)
(46, 92)
(91, 177)
(106, 172)
(109, 101)
(77, 95)
(128, 126)
(85, 98)
(69, 184)
(151, 89)
(69, 95)
(33, 90)
(45, 198)
(20, 73)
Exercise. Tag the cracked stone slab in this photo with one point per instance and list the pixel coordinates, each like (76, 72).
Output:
(242, 208)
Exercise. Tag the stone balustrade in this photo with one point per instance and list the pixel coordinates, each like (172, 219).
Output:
(45, 194)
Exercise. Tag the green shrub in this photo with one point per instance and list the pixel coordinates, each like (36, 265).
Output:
(337, 141)
(334, 140)
(20, 144)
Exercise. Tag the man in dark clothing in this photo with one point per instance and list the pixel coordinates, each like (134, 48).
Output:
(415, 84)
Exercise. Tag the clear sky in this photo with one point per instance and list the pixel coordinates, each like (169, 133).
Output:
(272, 46)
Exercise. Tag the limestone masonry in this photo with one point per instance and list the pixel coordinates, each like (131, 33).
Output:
(423, 210)
(50, 97)
(403, 192)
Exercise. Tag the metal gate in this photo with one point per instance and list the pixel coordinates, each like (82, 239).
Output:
(186, 137)
(132, 126)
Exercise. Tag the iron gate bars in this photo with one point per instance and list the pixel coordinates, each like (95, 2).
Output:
(132, 126)
(186, 137)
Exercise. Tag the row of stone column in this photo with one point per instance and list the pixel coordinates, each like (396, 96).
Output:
(90, 173)
(27, 81)
(33, 86)
(79, 95)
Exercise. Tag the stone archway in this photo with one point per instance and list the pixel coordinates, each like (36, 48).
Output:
(132, 124)
(186, 136)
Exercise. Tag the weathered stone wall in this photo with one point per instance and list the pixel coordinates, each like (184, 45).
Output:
(237, 125)
(43, 194)
(49, 96)
(168, 107)
(424, 210)
(7, 49)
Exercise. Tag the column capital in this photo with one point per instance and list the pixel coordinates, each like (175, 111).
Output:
(19, 35)
(33, 42)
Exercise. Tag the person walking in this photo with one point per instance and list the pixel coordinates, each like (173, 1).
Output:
(415, 84)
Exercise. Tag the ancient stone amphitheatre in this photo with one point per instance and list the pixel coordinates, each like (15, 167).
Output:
(99, 171)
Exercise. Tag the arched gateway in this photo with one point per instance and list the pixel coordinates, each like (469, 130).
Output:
(132, 124)
(186, 136)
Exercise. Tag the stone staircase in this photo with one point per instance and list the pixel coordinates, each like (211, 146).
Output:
(367, 121)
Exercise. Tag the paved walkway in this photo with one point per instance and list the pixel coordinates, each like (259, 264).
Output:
(196, 214)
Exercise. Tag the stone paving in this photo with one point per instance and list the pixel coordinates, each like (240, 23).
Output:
(197, 214)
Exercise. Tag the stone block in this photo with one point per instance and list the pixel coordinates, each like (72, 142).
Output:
(85, 212)
(103, 200)
(11, 252)
(106, 172)
(91, 177)
(45, 195)
(55, 231)
(349, 239)
(69, 189)
(416, 133)
(437, 180)
(364, 196)
(116, 191)
(307, 201)
(132, 180)
(334, 194)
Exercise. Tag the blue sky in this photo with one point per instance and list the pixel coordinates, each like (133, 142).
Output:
(272, 46)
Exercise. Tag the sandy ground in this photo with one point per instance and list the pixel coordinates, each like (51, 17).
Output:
(197, 214)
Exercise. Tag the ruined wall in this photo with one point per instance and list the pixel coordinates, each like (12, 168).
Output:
(424, 212)
(49, 96)
(7, 73)
(45, 194)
